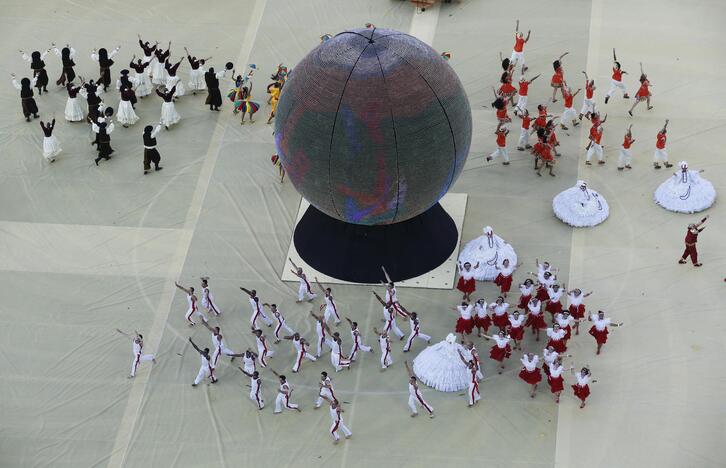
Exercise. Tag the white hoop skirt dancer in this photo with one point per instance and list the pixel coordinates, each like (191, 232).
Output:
(488, 251)
(685, 191)
(439, 366)
(580, 206)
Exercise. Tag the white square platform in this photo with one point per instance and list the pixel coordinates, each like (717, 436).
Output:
(441, 277)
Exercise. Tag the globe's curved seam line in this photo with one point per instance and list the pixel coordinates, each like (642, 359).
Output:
(352, 32)
(395, 138)
(448, 122)
(332, 133)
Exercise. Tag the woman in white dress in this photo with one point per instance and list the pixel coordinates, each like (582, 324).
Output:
(141, 81)
(169, 115)
(580, 206)
(51, 146)
(488, 251)
(439, 366)
(685, 191)
(126, 115)
(73, 111)
(172, 80)
(196, 75)
(158, 72)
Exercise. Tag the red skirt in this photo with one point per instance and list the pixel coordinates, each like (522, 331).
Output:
(531, 378)
(546, 369)
(467, 286)
(535, 321)
(554, 307)
(504, 282)
(559, 345)
(498, 354)
(464, 326)
(568, 333)
(542, 293)
(556, 384)
(600, 336)
(483, 322)
(516, 333)
(557, 80)
(581, 392)
(506, 89)
(501, 321)
(523, 301)
(577, 312)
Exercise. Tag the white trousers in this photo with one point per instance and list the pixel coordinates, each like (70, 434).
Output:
(568, 115)
(218, 353)
(257, 399)
(473, 393)
(283, 401)
(386, 359)
(660, 155)
(324, 392)
(204, 372)
(521, 103)
(360, 346)
(518, 57)
(500, 151)
(614, 85)
(625, 157)
(339, 425)
(523, 138)
(596, 150)
(338, 362)
(198, 313)
(280, 325)
(391, 326)
(331, 312)
(419, 335)
(588, 107)
(261, 315)
(323, 341)
(299, 359)
(139, 358)
(414, 401)
(263, 354)
(303, 293)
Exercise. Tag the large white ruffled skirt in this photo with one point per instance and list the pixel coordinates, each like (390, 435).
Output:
(175, 81)
(74, 111)
(574, 208)
(169, 115)
(691, 197)
(158, 73)
(51, 147)
(196, 80)
(439, 366)
(479, 251)
(143, 84)
(126, 114)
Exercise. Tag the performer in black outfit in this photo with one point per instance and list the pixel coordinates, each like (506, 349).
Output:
(67, 73)
(93, 100)
(26, 97)
(214, 98)
(148, 49)
(103, 130)
(104, 63)
(151, 155)
(125, 82)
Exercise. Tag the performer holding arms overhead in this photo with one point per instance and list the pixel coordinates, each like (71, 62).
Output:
(626, 157)
(643, 93)
(691, 239)
(330, 308)
(518, 52)
(473, 394)
(414, 395)
(617, 80)
(385, 343)
(304, 290)
(192, 309)
(137, 343)
(258, 311)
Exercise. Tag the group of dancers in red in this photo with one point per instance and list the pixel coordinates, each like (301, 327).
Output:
(536, 298)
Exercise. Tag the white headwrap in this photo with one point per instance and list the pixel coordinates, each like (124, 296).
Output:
(683, 165)
(488, 230)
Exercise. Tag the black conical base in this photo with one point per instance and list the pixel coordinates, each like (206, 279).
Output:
(355, 253)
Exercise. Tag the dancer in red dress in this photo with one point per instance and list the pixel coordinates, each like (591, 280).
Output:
(599, 329)
(565, 321)
(516, 328)
(581, 388)
(691, 239)
(530, 373)
(506, 89)
(554, 377)
(558, 77)
(499, 310)
(551, 137)
(548, 356)
(526, 288)
(534, 317)
(467, 283)
(557, 338)
(481, 317)
(501, 349)
(542, 152)
(545, 280)
(541, 120)
(577, 308)
(500, 104)
(661, 155)
(643, 93)
(554, 295)
(504, 278)
(464, 324)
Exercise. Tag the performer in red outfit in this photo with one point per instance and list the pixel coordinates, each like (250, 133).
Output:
(617, 80)
(499, 310)
(467, 283)
(516, 328)
(506, 90)
(501, 350)
(643, 93)
(581, 388)
(558, 78)
(530, 373)
(518, 52)
(526, 288)
(481, 317)
(577, 308)
(464, 324)
(599, 329)
(504, 278)
(557, 338)
(535, 318)
(691, 239)
(554, 378)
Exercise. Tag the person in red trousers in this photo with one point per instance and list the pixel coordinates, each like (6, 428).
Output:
(691, 239)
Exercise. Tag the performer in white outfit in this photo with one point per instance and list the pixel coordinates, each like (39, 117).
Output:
(192, 309)
(73, 111)
(488, 251)
(588, 104)
(137, 345)
(263, 350)
(580, 206)
(685, 191)
(321, 331)
(473, 354)
(255, 388)
(385, 343)
(326, 392)
(284, 393)
(169, 115)
(141, 81)
(301, 351)
(258, 311)
(280, 321)
(304, 291)
(338, 424)
(414, 395)
(206, 370)
(208, 301)
(249, 358)
(220, 347)
(392, 295)
(196, 74)
(51, 145)
(331, 310)
(337, 358)
(473, 394)
(358, 344)
(415, 332)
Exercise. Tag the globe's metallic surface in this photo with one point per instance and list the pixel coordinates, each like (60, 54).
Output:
(373, 126)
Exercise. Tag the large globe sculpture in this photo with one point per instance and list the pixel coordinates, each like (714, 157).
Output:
(373, 127)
